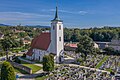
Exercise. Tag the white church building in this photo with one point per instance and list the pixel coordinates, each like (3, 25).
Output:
(48, 42)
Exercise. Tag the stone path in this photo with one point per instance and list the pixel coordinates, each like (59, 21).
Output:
(89, 68)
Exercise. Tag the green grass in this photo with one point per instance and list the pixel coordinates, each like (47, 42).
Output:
(110, 70)
(101, 62)
(119, 64)
(17, 49)
(1, 64)
(42, 77)
(34, 68)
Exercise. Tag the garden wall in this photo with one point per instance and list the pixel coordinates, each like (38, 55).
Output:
(24, 68)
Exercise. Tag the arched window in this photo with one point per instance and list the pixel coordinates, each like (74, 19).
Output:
(53, 27)
(59, 27)
(59, 38)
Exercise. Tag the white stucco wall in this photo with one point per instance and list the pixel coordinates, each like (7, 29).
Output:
(39, 54)
(56, 46)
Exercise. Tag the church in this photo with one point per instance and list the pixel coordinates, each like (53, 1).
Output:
(49, 42)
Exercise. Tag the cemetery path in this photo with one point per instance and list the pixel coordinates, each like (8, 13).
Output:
(29, 76)
(89, 68)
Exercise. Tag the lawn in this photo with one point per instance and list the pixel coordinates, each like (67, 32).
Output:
(17, 49)
(110, 70)
(34, 68)
(42, 77)
(101, 62)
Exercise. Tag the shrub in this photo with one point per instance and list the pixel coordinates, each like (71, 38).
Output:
(7, 71)
(48, 63)
(24, 55)
(17, 60)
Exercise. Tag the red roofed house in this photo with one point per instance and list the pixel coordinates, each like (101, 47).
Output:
(49, 42)
(70, 46)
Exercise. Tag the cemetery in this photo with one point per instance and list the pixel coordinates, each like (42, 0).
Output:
(67, 72)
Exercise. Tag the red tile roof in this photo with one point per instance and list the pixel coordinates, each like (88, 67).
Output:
(41, 42)
(29, 53)
(73, 45)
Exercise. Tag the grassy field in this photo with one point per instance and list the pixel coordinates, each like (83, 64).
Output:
(101, 62)
(41, 78)
(34, 68)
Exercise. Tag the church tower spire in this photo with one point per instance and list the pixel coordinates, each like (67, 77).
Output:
(56, 18)
(56, 14)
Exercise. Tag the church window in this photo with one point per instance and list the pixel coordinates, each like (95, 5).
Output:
(59, 38)
(39, 57)
(59, 27)
(53, 27)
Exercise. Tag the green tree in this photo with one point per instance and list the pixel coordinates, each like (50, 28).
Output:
(7, 72)
(109, 50)
(48, 63)
(22, 34)
(21, 42)
(85, 46)
(6, 45)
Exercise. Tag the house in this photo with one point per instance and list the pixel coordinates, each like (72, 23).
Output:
(17, 31)
(115, 44)
(26, 42)
(1, 36)
(73, 46)
(70, 46)
(49, 42)
(102, 45)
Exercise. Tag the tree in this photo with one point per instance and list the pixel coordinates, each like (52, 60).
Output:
(21, 42)
(85, 46)
(7, 72)
(109, 50)
(48, 63)
(6, 45)
(22, 34)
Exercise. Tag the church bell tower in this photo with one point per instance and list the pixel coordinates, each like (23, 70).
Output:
(57, 43)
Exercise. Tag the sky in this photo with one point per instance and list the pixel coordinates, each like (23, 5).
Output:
(74, 13)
